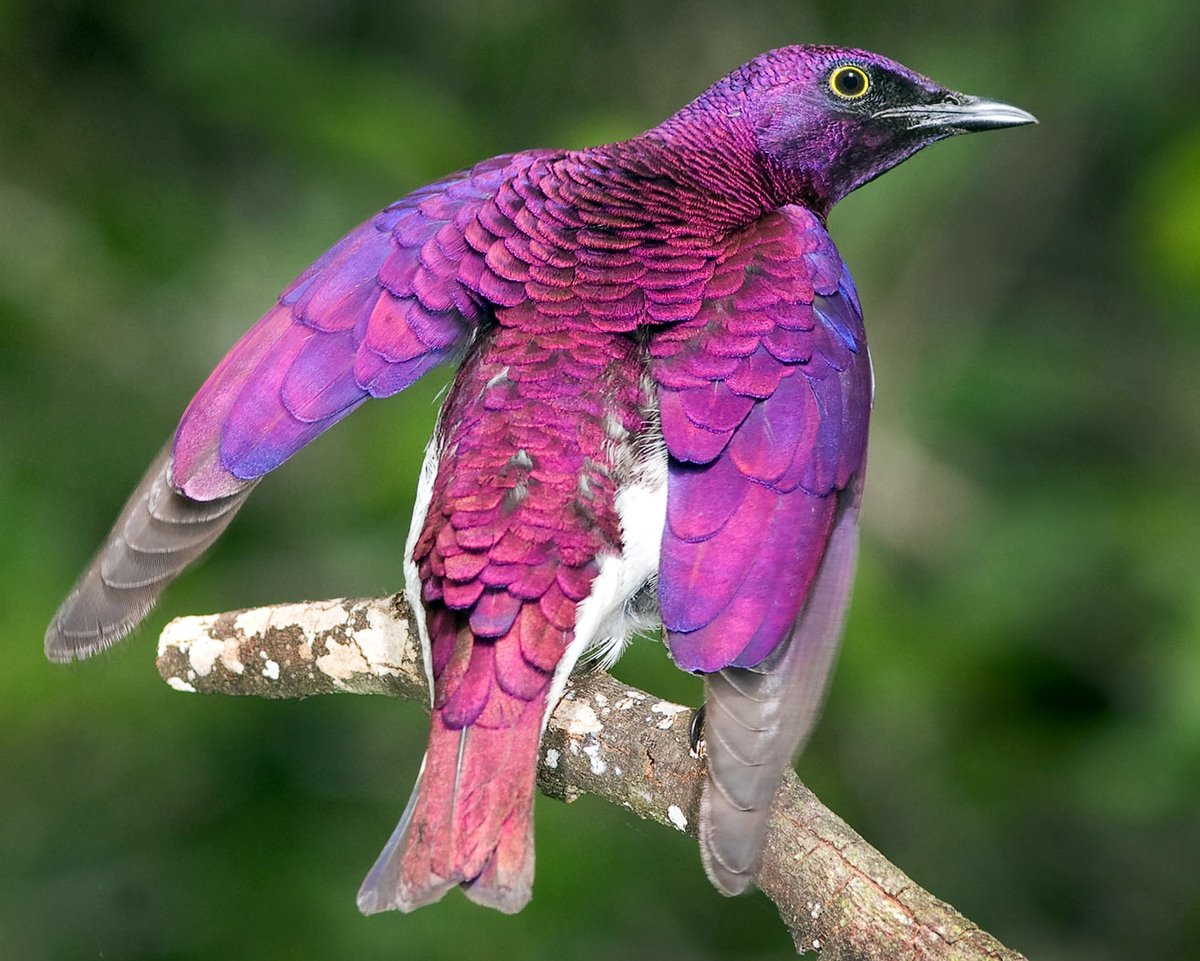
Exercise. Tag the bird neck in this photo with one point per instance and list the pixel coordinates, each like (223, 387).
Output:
(683, 175)
(714, 143)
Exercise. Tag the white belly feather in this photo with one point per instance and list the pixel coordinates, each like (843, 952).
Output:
(606, 619)
(412, 580)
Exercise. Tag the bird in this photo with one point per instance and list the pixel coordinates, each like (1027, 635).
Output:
(658, 421)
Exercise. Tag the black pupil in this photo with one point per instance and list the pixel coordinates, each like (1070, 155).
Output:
(851, 82)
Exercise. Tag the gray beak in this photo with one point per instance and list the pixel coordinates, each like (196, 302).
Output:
(959, 113)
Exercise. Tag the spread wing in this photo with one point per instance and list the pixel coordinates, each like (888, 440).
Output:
(765, 397)
(382, 307)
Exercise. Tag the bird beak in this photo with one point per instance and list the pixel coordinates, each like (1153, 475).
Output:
(959, 113)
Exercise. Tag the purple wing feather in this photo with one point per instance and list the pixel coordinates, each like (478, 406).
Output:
(381, 308)
(764, 398)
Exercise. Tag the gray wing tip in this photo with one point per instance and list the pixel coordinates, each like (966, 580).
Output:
(158, 533)
(727, 879)
(61, 650)
(728, 883)
(76, 633)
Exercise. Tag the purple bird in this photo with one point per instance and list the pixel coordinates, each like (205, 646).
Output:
(660, 414)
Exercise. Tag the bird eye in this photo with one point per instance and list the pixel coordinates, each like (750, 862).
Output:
(849, 82)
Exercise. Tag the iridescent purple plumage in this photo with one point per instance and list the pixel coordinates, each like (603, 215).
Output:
(380, 309)
(764, 412)
(664, 393)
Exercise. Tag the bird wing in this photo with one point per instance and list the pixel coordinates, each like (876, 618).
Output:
(387, 303)
(765, 397)
(396, 296)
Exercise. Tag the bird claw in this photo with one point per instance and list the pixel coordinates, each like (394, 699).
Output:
(587, 668)
(696, 735)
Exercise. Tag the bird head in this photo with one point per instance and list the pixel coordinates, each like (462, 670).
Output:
(827, 120)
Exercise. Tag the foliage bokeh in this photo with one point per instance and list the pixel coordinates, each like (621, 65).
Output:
(1016, 716)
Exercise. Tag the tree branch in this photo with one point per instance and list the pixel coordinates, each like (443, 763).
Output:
(834, 891)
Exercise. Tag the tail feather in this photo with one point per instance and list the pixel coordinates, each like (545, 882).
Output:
(469, 822)
(158, 533)
(758, 718)
(377, 891)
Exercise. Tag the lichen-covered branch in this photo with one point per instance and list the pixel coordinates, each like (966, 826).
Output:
(834, 891)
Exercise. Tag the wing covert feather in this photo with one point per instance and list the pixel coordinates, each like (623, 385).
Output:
(764, 396)
(377, 311)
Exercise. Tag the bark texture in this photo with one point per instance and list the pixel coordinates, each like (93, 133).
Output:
(836, 894)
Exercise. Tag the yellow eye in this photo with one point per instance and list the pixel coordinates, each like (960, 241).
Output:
(849, 82)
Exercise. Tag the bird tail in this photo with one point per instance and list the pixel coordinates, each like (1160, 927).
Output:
(159, 532)
(469, 821)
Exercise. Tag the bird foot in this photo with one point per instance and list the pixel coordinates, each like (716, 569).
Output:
(696, 735)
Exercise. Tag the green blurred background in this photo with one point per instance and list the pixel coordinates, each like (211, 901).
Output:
(1016, 716)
